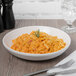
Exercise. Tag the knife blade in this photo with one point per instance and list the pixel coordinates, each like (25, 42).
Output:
(71, 71)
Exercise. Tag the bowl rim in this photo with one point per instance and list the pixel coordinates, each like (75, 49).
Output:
(29, 54)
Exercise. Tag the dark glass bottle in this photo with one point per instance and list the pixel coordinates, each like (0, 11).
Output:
(7, 15)
(1, 22)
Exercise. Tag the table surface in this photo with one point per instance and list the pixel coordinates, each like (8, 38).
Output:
(13, 66)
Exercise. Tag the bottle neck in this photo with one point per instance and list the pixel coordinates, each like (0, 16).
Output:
(0, 6)
(7, 4)
(0, 3)
(6, 1)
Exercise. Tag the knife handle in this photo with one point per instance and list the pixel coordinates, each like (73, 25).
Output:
(41, 71)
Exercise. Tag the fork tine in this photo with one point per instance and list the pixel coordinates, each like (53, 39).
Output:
(71, 62)
(68, 64)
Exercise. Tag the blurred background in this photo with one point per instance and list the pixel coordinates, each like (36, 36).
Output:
(37, 9)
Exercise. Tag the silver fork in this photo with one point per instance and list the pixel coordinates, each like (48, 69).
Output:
(65, 65)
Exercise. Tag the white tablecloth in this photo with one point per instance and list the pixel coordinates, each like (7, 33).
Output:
(71, 56)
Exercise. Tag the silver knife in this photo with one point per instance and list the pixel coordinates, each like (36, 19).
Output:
(72, 71)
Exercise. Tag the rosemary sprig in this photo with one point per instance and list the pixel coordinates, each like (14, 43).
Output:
(37, 33)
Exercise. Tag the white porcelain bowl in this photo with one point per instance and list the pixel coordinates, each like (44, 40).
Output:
(7, 42)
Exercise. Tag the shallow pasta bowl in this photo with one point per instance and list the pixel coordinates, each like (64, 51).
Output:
(7, 42)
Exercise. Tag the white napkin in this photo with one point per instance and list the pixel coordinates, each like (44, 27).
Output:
(71, 56)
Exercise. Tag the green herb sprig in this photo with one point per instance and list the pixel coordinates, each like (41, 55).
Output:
(37, 33)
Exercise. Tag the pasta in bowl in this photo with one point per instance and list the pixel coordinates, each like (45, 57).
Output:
(33, 44)
(37, 43)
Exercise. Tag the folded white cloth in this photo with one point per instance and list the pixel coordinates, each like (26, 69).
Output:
(71, 56)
